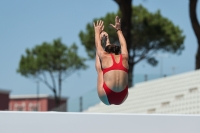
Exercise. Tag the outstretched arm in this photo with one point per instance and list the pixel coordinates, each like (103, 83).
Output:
(98, 27)
(122, 40)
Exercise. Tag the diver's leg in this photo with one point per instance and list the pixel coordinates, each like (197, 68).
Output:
(101, 92)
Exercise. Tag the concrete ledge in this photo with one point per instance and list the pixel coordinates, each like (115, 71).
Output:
(58, 122)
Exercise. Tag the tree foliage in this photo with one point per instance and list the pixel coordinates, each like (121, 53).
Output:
(56, 60)
(151, 33)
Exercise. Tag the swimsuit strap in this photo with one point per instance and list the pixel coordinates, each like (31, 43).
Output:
(113, 58)
(114, 62)
(115, 66)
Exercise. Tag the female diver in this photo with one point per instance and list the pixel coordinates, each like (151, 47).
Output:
(111, 65)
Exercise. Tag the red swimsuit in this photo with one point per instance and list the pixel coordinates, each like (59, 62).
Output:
(115, 97)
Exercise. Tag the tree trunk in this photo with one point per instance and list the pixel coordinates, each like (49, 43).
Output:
(196, 28)
(56, 98)
(130, 75)
(198, 57)
(125, 7)
(59, 84)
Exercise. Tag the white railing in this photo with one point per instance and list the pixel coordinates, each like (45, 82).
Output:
(60, 122)
(177, 94)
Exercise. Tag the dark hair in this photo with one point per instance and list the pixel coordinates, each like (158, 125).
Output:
(112, 48)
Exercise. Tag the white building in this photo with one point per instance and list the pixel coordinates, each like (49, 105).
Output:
(178, 94)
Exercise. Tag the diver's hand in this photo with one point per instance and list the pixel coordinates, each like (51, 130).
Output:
(98, 27)
(117, 25)
(104, 34)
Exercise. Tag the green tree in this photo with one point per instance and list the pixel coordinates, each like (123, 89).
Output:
(150, 33)
(196, 28)
(54, 61)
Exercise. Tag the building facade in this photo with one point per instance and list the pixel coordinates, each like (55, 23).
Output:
(4, 99)
(36, 103)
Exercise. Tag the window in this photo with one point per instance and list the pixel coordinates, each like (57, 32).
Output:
(33, 107)
(178, 97)
(20, 106)
(192, 90)
(164, 104)
(150, 111)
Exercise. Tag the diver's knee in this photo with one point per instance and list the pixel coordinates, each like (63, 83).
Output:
(104, 99)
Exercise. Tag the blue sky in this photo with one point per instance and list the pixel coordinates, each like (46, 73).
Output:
(24, 24)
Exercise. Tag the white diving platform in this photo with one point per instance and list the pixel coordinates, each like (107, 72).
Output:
(66, 122)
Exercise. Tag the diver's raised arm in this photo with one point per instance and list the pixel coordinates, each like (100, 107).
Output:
(122, 40)
(98, 28)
